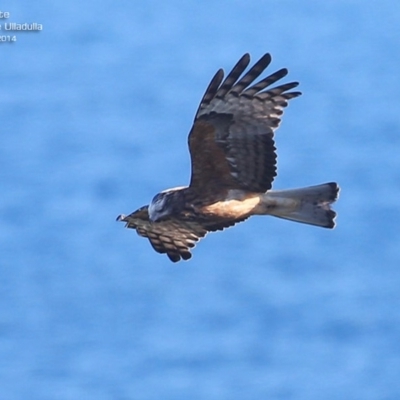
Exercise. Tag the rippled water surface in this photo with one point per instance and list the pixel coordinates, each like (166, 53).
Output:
(94, 115)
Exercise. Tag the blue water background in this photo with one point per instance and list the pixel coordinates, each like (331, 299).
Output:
(94, 116)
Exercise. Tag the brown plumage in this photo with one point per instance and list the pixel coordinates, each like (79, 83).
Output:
(233, 160)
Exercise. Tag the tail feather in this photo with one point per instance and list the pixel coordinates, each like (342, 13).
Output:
(310, 205)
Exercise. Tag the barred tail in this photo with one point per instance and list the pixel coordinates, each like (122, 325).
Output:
(310, 205)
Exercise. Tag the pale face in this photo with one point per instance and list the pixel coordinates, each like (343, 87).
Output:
(163, 204)
(157, 207)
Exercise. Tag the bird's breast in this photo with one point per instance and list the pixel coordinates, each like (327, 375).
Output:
(237, 204)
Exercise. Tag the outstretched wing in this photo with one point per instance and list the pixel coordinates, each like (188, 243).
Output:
(174, 237)
(231, 143)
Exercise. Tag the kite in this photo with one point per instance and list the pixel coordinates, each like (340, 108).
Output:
(233, 165)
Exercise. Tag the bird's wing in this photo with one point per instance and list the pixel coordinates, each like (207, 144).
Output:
(231, 142)
(174, 236)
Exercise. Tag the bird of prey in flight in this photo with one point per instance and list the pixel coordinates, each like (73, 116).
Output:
(233, 162)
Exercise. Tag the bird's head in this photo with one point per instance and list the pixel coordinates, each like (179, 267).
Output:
(158, 208)
(164, 204)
